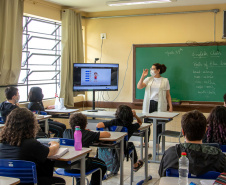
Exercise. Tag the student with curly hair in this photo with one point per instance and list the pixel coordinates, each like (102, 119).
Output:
(35, 97)
(17, 142)
(124, 117)
(216, 132)
(88, 137)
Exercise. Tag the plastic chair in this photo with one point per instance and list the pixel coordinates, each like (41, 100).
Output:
(223, 148)
(61, 171)
(1, 120)
(24, 170)
(126, 139)
(171, 172)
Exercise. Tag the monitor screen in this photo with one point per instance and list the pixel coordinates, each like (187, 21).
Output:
(98, 77)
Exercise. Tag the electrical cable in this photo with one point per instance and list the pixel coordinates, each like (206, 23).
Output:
(101, 47)
(124, 75)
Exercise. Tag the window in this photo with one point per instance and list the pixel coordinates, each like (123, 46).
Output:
(41, 57)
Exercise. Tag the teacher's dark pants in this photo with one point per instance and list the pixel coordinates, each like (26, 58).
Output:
(153, 106)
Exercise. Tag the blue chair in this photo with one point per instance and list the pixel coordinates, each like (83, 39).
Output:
(1, 121)
(61, 171)
(223, 148)
(171, 172)
(24, 170)
(126, 139)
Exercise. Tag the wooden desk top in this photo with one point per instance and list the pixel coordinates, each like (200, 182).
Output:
(158, 114)
(2, 125)
(42, 118)
(9, 180)
(99, 114)
(144, 126)
(73, 154)
(115, 136)
(60, 111)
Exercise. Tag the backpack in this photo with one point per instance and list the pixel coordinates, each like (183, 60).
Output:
(110, 156)
(111, 159)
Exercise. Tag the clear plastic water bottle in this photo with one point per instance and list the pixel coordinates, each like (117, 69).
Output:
(78, 138)
(57, 102)
(183, 169)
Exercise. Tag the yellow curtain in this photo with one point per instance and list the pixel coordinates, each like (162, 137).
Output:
(72, 52)
(11, 23)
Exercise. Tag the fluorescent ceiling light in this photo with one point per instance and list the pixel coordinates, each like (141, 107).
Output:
(136, 2)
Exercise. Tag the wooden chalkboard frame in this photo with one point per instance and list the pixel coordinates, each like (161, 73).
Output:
(168, 45)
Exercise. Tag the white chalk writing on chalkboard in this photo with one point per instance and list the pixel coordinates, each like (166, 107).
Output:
(215, 53)
(174, 52)
(200, 54)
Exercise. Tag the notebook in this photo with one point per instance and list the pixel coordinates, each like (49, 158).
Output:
(60, 153)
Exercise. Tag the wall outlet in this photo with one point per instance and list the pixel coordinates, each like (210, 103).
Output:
(103, 36)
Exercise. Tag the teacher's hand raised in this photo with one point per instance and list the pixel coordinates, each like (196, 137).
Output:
(145, 72)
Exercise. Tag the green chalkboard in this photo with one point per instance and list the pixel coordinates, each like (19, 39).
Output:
(196, 72)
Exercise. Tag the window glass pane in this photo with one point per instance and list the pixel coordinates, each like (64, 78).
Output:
(23, 93)
(42, 43)
(42, 75)
(24, 58)
(47, 90)
(46, 27)
(42, 59)
(23, 75)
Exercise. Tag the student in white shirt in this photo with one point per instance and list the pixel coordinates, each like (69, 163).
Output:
(157, 91)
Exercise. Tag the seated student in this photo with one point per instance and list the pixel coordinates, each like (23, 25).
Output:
(88, 137)
(35, 97)
(124, 117)
(17, 143)
(216, 131)
(202, 158)
(12, 96)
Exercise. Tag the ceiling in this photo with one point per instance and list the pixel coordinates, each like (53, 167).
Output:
(100, 5)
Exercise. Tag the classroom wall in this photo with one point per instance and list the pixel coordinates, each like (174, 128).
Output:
(42, 8)
(122, 33)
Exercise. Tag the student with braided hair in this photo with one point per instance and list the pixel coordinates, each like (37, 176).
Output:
(216, 132)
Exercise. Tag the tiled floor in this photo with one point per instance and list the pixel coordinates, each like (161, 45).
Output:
(138, 176)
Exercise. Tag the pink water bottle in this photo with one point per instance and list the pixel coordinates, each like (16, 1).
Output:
(78, 138)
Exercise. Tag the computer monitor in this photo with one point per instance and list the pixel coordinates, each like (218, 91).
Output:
(97, 77)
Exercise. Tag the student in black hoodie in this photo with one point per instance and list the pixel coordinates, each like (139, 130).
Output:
(12, 96)
(35, 97)
(202, 157)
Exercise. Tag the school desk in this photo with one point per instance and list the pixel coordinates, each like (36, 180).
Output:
(119, 138)
(158, 117)
(44, 118)
(67, 160)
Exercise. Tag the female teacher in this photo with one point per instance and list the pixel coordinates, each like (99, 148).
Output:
(157, 92)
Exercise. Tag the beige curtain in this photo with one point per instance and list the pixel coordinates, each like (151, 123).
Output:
(11, 29)
(72, 52)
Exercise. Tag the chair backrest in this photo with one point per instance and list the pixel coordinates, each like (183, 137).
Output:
(1, 120)
(223, 148)
(171, 172)
(67, 142)
(24, 170)
(43, 113)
